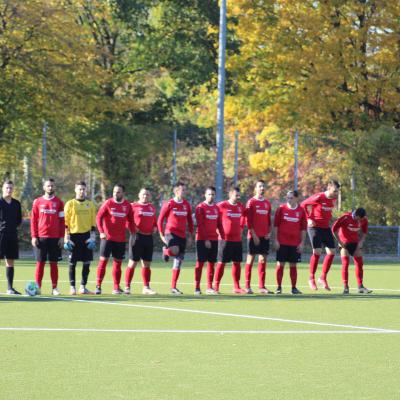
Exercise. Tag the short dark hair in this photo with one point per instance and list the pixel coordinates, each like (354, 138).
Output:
(234, 189)
(8, 182)
(334, 182)
(80, 183)
(178, 184)
(360, 212)
(295, 193)
(259, 181)
(120, 185)
(144, 188)
(210, 188)
(48, 180)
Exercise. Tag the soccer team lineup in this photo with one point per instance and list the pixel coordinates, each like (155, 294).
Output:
(217, 229)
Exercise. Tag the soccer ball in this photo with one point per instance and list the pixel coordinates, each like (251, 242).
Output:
(31, 289)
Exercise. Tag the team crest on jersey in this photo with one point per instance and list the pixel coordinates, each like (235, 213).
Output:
(54, 204)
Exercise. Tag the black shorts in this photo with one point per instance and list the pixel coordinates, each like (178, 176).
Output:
(321, 237)
(174, 240)
(351, 248)
(262, 248)
(230, 251)
(204, 254)
(142, 249)
(116, 249)
(48, 250)
(288, 254)
(9, 246)
(80, 251)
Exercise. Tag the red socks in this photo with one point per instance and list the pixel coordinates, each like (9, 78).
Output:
(175, 276)
(210, 274)
(247, 275)
(53, 274)
(262, 266)
(129, 276)
(236, 274)
(279, 274)
(313, 265)
(293, 275)
(101, 271)
(358, 264)
(198, 269)
(345, 269)
(116, 273)
(326, 266)
(146, 275)
(39, 272)
(219, 273)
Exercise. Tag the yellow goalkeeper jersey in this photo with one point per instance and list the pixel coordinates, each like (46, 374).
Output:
(80, 216)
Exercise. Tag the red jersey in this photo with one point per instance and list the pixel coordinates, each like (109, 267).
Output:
(290, 223)
(232, 221)
(208, 220)
(113, 218)
(321, 209)
(178, 216)
(145, 217)
(47, 218)
(349, 228)
(258, 216)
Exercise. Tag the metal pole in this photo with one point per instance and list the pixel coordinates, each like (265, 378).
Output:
(296, 160)
(221, 98)
(44, 150)
(353, 190)
(174, 167)
(236, 165)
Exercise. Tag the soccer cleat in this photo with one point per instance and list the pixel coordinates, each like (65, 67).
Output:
(72, 291)
(13, 291)
(148, 291)
(98, 290)
(346, 290)
(239, 291)
(127, 290)
(211, 291)
(311, 283)
(55, 292)
(249, 291)
(324, 283)
(117, 291)
(84, 290)
(176, 292)
(165, 256)
(362, 289)
(296, 291)
(278, 290)
(197, 292)
(264, 290)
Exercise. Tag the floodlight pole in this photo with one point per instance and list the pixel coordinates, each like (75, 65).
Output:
(236, 175)
(174, 167)
(44, 151)
(296, 160)
(221, 99)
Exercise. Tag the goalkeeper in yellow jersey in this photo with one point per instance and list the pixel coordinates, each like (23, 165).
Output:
(80, 235)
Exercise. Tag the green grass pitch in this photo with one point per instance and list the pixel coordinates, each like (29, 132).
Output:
(317, 345)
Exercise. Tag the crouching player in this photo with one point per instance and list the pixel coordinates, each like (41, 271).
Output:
(80, 235)
(290, 226)
(350, 231)
(208, 220)
(144, 214)
(177, 215)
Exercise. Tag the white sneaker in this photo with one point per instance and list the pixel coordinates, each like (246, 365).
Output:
(149, 291)
(197, 292)
(84, 290)
(264, 290)
(364, 290)
(127, 290)
(249, 291)
(72, 291)
(211, 291)
(56, 292)
(176, 292)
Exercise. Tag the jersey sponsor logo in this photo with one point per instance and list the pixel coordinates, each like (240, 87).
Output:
(117, 214)
(212, 217)
(290, 219)
(146, 213)
(232, 214)
(262, 212)
(325, 207)
(180, 213)
(48, 211)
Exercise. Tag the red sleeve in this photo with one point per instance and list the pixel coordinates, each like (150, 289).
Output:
(199, 213)
(130, 220)
(219, 223)
(338, 223)
(154, 218)
(311, 201)
(243, 217)
(163, 215)
(62, 219)
(99, 217)
(364, 225)
(269, 218)
(277, 218)
(303, 222)
(249, 215)
(34, 220)
(190, 219)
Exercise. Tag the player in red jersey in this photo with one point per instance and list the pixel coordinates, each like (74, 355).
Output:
(350, 231)
(144, 214)
(47, 232)
(177, 215)
(230, 239)
(208, 220)
(112, 219)
(258, 218)
(290, 224)
(318, 209)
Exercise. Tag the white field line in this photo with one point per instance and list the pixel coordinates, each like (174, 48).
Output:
(192, 284)
(223, 314)
(220, 332)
